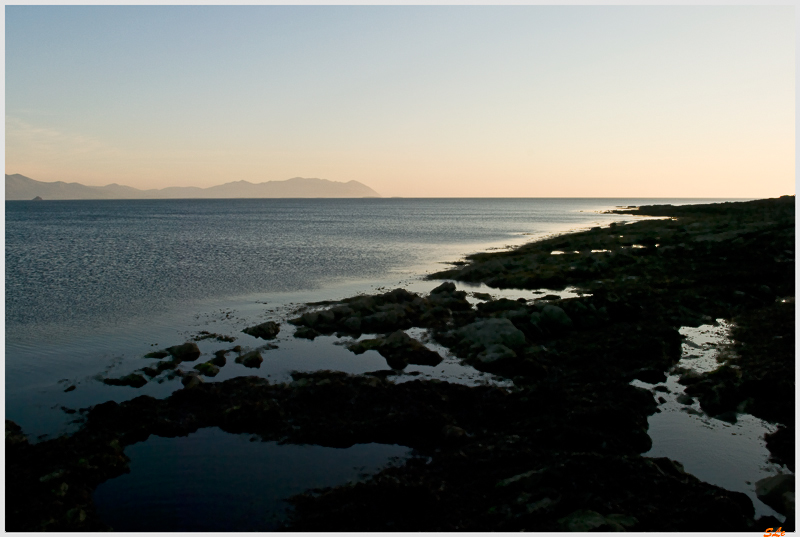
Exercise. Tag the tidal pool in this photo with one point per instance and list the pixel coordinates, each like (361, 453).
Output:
(211, 480)
(730, 455)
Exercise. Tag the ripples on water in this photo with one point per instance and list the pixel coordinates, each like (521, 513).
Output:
(69, 263)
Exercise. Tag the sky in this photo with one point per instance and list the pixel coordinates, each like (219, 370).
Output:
(425, 101)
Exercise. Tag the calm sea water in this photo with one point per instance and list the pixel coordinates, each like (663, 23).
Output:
(76, 265)
(91, 286)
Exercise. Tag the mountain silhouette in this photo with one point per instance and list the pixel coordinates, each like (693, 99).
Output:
(19, 187)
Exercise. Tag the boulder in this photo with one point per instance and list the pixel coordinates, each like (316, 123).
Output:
(267, 330)
(649, 375)
(251, 359)
(487, 332)
(306, 333)
(555, 318)
(188, 352)
(14, 435)
(445, 288)
(208, 369)
(383, 320)
(133, 380)
(777, 492)
(399, 350)
(496, 353)
(191, 379)
(219, 359)
(352, 324)
(160, 367)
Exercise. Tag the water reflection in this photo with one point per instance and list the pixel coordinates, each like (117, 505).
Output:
(215, 481)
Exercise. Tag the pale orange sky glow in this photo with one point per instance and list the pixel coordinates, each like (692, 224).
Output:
(448, 101)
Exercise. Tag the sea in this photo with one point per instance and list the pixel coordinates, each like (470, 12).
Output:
(92, 286)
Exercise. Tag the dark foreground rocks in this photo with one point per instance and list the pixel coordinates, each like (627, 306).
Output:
(267, 330)
(487, 459)
(561, 451)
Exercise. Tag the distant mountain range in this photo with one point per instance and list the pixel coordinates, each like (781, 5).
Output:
(19, 187)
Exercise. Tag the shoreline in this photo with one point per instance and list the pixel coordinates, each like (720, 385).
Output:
(537, 458)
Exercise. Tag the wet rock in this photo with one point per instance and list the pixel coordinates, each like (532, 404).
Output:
(191, 379)
(352, 324)
(156, 354)
(219, 359)
(205, 334)
(70, 388)
(133, 380)
(381, 321)
(501, 305)
(188, 352)
(208, 369)
(777, 492)
(485, 333)
(14, 436)
(649, 375)
(267, 330)
(555, 318)
(685, 399)
(306, 333)
(495, 353)
(154, 371)
(690, 377)
(729, 417)
(251, 359)
(445, 288)
(399, 349)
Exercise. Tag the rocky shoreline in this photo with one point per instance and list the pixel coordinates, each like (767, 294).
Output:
(559, 451)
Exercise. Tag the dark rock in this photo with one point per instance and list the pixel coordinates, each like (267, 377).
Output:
(156, 370)
(555, 319)
(191, 380)
(69, 389)
(203, 335)
(649, 375)
(251, 359)
(306, 333)
(352, 324)
(445, 288)
(685, 399)
(496, 353)
(729, 417)
(188, 352)
(777, 492)
(134, 380)
(156, 354)
(267, 330)
(208, 369)
(14, 436)
(485, 333)
(219, 359)
(399, 350)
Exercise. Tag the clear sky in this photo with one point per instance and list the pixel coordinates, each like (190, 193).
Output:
(584, 101)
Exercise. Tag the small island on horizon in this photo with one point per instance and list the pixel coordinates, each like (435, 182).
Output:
(20, 187)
